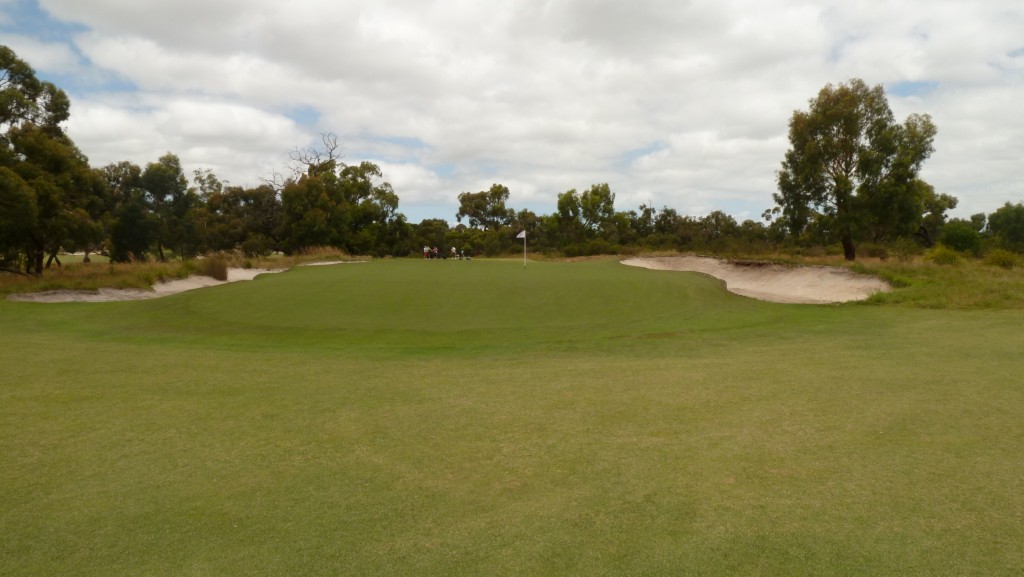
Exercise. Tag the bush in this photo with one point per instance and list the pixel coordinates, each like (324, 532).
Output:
(215, 266)
(905, 249)
(961, 235)
(257, 246)
(943, 255)
(872, 250)
(590, 248)
(1002, 258)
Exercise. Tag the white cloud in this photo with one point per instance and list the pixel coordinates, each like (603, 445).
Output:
(672, 103)
(239, 143)
(56, 58)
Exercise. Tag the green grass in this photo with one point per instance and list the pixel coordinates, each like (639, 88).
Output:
(465, 418)
(971, 284)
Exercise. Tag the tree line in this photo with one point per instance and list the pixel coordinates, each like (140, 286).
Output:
(849, 179)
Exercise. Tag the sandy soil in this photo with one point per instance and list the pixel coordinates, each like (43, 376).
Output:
(774, 282)
(159, 290)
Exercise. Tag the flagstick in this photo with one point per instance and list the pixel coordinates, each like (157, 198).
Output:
(522, 235)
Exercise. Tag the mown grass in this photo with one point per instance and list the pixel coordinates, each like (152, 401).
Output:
(465, 418)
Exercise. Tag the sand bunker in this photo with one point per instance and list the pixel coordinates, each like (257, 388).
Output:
(159, 290)
(774, 282)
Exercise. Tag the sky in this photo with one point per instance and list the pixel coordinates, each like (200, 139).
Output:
(677, 103)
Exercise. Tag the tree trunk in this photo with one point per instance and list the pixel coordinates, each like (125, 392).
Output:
(53, 258)
(926, 236)
(34, 266)
(849, 251)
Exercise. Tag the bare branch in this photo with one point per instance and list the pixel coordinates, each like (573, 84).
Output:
(316, 159)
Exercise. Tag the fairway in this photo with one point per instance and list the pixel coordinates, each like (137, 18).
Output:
(410, 417)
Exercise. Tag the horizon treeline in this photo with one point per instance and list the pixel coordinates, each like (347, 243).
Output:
(53, 201)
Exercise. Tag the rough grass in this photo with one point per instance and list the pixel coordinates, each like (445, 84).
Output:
(970, 284)
(465, 418)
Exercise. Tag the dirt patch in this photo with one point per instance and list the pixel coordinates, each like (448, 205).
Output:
(774, 282)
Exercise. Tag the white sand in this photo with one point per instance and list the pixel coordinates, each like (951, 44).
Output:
(159, 290)
(774, 282)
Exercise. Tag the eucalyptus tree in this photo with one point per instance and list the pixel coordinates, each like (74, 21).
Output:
(339, 205)
(172, 202)
(851, 168)
(587, 215)
(46, 184)
(486, 209)
(131, 226)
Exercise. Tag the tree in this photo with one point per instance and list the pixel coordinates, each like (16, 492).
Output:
(433, 232)
(934, 218)
(24, 99)
(960, 234)
(17, 214)
(133, 230)
(131, 225)
(1007, 224)
(343, 206)
(597, 207)
(172, 201)
(716, 228)
(642, 222)
(486, 209)
(68, 193)
(236, 218)
(584, 216)
(851, 167)
(47, 181)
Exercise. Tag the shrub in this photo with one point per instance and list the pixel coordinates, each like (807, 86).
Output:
(943, 255)
(590, 248)
(872, 250)
(215, 266)
(1002, 258)
(961, 235)
(905, 249)
(257, 246)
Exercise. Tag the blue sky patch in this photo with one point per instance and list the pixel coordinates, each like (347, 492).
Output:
(911, 88)
(28, 18)
(305, 116)
(627, 158)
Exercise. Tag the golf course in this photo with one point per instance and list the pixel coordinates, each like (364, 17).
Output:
(404, 417)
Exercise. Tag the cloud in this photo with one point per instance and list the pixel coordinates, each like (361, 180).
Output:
(54, 57)
(239, 143)
(683, 104)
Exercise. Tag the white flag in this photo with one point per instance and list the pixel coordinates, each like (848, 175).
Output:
(521, 235)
